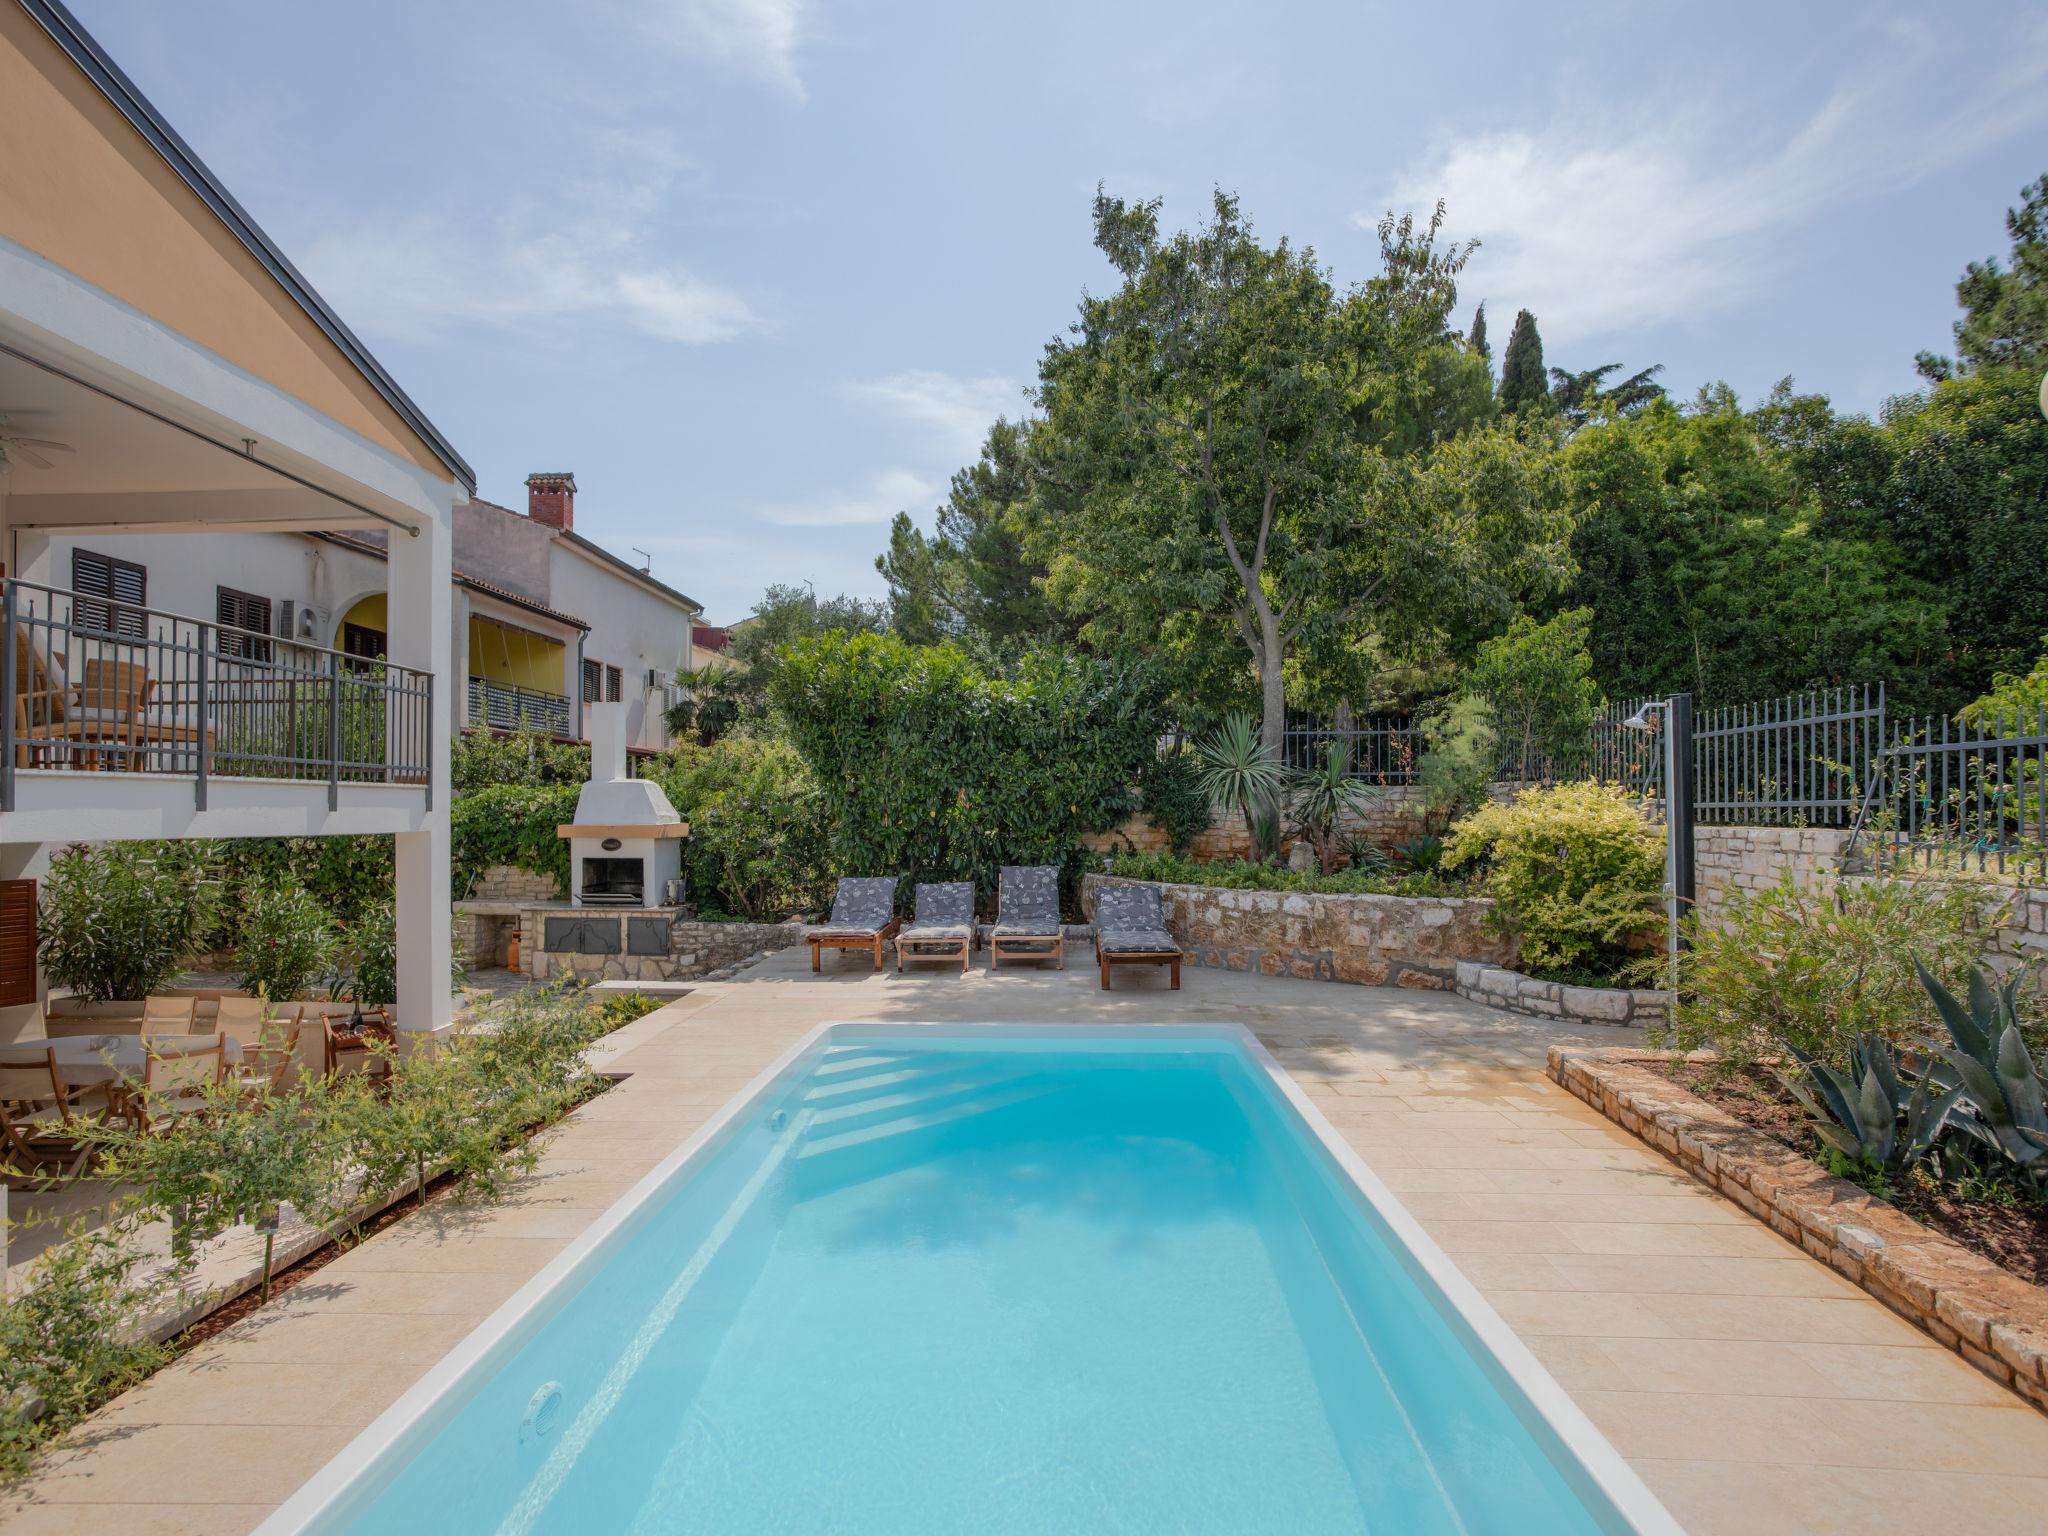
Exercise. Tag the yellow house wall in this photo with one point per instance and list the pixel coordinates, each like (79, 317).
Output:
(82, 189)
(514, 656)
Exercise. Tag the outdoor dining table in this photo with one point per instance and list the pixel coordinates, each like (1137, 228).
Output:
(89, 1060)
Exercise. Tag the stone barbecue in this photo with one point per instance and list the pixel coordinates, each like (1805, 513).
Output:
(625, 845)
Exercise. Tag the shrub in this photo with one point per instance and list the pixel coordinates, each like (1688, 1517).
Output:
(288, 941)
(615, 1010)
(1576, 871)
(1171, 795)
(511, 824)
(533, 758)
(368, 952)
(1236, 773)
(119, 920)
(1817, 967)
(1537, 681)
(1459, 759)
(932, 768)
(347, 875)
(760, 844)
(69, 1339)
(1244, 875)
(1323, 794)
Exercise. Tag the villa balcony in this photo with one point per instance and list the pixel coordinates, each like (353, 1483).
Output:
(500, 706)
(115, 705)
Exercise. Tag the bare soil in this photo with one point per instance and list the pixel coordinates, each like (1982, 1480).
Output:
(2006, 1226)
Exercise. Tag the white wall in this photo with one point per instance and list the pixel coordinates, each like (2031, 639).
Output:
(632, 627)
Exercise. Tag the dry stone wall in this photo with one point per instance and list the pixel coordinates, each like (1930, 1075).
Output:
(1404, 941)
(613, 944)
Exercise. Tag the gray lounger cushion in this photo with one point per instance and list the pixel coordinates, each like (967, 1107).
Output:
(1028, 901)
(1130, 920)
(862, 905)
(945, 910)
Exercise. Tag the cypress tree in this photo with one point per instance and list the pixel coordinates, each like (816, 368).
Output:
(1476, 342)
(1523, 384)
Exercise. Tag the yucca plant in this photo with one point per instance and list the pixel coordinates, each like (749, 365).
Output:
(2005, 1106)
(1868, 1115)
(1324, 794)
(1236, 772)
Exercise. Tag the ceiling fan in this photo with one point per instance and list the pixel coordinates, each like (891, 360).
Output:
(29, 450)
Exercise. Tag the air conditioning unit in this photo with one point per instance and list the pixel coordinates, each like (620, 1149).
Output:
(300, 621)
(656, 680)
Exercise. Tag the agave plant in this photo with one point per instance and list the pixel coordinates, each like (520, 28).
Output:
(1868, 1114)
(2005, 1106)
(1236, 772)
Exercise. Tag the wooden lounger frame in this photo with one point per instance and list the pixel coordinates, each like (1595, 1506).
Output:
(915, 947)
(872, 943)
(1169, 957)
(1028, 946)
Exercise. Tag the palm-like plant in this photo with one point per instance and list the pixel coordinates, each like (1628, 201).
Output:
(1868, 1114)
(1324, 794)
(2006, 1091)
(1236, 772)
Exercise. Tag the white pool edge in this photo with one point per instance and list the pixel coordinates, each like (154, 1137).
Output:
(341, 1488)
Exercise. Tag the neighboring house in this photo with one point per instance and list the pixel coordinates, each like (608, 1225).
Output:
(522, 658)
(175, 398)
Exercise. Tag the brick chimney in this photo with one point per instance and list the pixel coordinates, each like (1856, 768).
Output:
(551, 499)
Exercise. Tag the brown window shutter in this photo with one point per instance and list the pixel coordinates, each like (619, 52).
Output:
(17, 943)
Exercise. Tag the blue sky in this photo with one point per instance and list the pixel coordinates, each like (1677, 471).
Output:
(760, 271)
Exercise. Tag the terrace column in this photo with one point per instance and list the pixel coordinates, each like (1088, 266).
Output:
(421, 616)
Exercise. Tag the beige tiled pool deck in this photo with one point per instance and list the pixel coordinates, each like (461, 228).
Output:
(1754, 1389)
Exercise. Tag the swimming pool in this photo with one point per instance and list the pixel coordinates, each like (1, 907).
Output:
(998, 1279)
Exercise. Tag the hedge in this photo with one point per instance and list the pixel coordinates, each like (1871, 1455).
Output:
(512, 824)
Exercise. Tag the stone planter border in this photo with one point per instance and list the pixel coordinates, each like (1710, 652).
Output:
(1993, 1319)
(1498, 987)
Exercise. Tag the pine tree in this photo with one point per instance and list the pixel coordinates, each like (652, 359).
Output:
(1476, 342)
(1523, 385)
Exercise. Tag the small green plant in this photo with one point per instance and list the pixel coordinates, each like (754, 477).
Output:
(615, 1010)
(2005, 1103)
(1576, 871)
(1236, 772)
(1817, 966)
(70, 1337)
(1171, 795)
(1867, 1115)
(288, 941)
(118, 920)
(366, 959)
(1321, 796)
(1459, 759)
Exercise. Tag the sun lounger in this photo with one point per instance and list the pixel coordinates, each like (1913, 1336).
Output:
(1130, 929)
(942, 926)
(863, 917)
(1027, 923)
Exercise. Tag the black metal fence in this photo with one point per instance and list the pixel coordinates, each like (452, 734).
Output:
(506, 707)
(1963, 795)
(1801, 760)
(103, 685)
(1381, 749)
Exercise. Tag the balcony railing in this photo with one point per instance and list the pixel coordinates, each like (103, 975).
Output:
(505, 707)
(101, 685)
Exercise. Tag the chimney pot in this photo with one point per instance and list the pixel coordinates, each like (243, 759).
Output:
(551, 499)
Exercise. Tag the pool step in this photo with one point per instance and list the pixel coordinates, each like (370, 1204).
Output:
(907, 1101)
(901, 1087)
(906, 1135)
(848, 1066)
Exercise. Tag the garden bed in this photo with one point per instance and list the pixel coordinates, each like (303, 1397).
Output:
(1988, 1315)
(2004, 1227)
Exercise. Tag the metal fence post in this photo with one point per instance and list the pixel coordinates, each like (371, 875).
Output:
(203, 725)
(1680, 891)
(8, 686)
(333, 735)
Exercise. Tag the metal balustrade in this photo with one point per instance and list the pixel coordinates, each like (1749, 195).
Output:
(106, 686)
(507, 707)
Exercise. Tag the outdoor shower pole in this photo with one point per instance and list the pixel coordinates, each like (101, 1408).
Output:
(1679, 889)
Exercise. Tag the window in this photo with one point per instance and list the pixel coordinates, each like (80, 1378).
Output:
(236, 611)
(614, 685)
(121, 582)
(363, 646)
(593, 681)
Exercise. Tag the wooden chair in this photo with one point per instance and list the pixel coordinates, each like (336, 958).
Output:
(1027, 925)
(38, 1123)
(350, 1049)
(863, 917)
(172, 1084)
(164, 1016)
(269, 1040)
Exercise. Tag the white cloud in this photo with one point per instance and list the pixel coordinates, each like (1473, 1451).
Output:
(958, 411)
(758, 36)
(417, 277)
(1600, 226)
(890, 492)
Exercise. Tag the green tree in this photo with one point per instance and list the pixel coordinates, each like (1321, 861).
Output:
(1579, 397)
(2005, 309)
(1252, 457)
(978, 577)
(1537, 680)
(119, 920)
(1475, 339)
(1522, 388)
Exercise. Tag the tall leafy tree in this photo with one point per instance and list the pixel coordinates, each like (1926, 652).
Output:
(1250, 454)
(1475, 339)
(1522, 387)
(2005, 309)
(977, 577)
(1580, 396)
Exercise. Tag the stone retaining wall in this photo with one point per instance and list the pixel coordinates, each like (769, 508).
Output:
(1405, 941)
(1394, 815)
(1993, 1319)
(1499, 987)
(1756, 858)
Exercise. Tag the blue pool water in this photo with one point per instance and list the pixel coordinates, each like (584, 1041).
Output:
(998, 1285)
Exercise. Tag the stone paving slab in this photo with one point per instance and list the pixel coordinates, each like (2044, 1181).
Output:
(1755, 1389)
